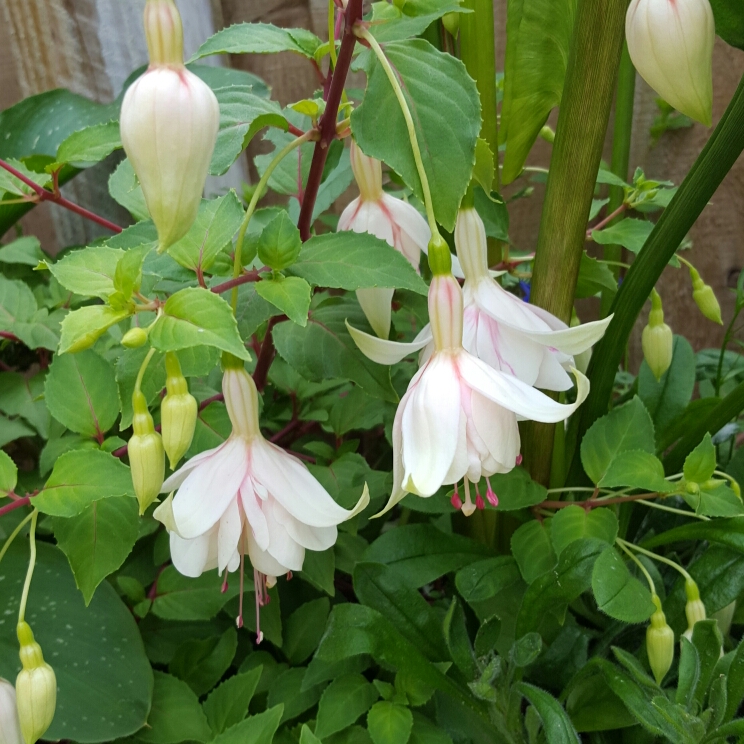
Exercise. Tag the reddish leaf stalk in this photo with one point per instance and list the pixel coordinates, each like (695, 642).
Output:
(15, 505)
(249, 276)
(593, 503)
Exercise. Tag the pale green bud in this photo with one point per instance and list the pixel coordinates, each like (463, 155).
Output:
(451, 21)
(10, 726)
(694, 609)
(36, 688)
(659, 643)
(178, 412)
(134, 338)
(657, 339)
(440, 258)
(146, 454)
(705, 298)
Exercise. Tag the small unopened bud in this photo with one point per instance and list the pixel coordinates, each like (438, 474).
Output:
(705, 298)
(134, 338)
(146, 454)
(694, 609)
(10, 727)
(440, 258)
(659, 643)
(36, 688)
(451, 21)
(169, 123)
(177, 412)
(657, 339)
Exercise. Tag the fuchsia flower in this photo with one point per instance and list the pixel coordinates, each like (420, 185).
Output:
(248, 496)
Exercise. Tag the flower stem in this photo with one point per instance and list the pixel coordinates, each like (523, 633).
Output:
(655, 557)
(15, 534)
(142, 369)
(31, 564)
(363, 33)
(238, 262)
(634, 558)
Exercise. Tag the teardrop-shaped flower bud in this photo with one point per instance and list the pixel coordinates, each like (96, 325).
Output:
(671, 45)
(659, 643)
(146, 454)
(134, 338)
(177, 412)
(169, 124)
(36, 688)
(10, 727)
(657, 339)
(694, 609)
(705, 298)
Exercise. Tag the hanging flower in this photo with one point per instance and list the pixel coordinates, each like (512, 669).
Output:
(671, 45)
(509, 335)
(390, 219)
(458, 418)
(248, 496)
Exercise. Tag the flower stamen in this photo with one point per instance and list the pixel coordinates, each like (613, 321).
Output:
(456, 501)
(491, 496)
(468, 507)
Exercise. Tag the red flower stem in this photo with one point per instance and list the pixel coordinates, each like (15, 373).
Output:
(327, 123)
(249, 276)
(9, 336)
(590, 504)
(606, 221)
(57, 198)
(265, 357)
(15, 505)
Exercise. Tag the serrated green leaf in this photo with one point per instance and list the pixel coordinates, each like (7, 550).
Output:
(637, 469)
(89, 272)
(533, 550)
(304, 628)
(343, 702)
(82, 328)
(629, 233)
(126, 190)
(290, 295)
(25, 251)
(556, 723)
(89, 146)
(389, 723)
(280, 243)
(182, 598)
(575, 522)
(258, 729)
(701, 462)
(228, 703)
(287, 690)
(201, 663)
(20, 315)
(259, 38)
(619, 594)
(8, 474)
(485, 579)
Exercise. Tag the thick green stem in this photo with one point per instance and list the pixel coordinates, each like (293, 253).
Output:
(478, 52)
(621, 139)
(582, 126)
(706, 175)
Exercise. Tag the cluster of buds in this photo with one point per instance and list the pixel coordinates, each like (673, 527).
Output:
(146, 454)
(657, 339)
(35, 689)
(169, 124)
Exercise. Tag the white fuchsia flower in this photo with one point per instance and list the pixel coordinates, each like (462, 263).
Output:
(248, 496)
(500, 329)
(671, 45)
(387, 218)
(458, 418)
(10, 727)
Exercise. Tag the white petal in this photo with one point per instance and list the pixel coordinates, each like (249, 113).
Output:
(552, 374)
(387, 352)
(497, 427)
(376, 305)
(193, 557)
(514, 395)
(164, 514)
(177, 478)
(230, 529)
(253, 513)
(294, 487)
(281, 546)
(261, 560)
(207, 491)
(459, 466)
(312, 538)
(430, 426)
(506, 308)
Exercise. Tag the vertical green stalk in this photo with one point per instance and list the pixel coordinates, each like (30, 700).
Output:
(478, 52)
(582, 126)
(621, 140)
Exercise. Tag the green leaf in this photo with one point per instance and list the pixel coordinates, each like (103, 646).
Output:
(11, 429)
(458, 641)
(201, 663)
(701, 462)
(259, 38)
(350, 260)
(488, 578)
(80, 392)
(533, 550)
(102, 695)
(447, 124)
(280, 243)
(228, 703)
(126, 190)
(539, 34)
(324, 350)
(384, 589)
(307, 736)
(176, 715)
(629, 233)
(637, 469)
(666, 399)
(80, 478)
(25, 251)
(492, 210)
(89, 146)
(319, 570)
(196, 317)
(412, 18)
(426, 732)
(89, 271)
(242, 115)
(625, 428)
(619, 594)
(728, 532)
(21, 395)
(689, 672)
(343, 702)
(735, 683)
(420, 553)
(98, 540)
(715, 501)
(258, 729)
(8, 474)
(707, 639)
(82, 328)
(389, 723)
(575, 522)
(304, 628)
(293, 168)
(288, 690)
(182, 598)
(290, 295)
(556, 723)
(595, 277)
(216, 223)
(20, 315)
(729, 21)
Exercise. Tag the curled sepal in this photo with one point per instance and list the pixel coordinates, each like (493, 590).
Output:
(657, 339)
(146, 454)
(659, 642)
(36, 688)
(178, 412)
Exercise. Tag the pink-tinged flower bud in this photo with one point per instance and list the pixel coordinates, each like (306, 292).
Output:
(657, 339)
(659, 643)
(671, 45)
(146, 454)
(36, 688)
(446, 312)
(705, 298)
(169, 124)
(10, 726)
(177, 412)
